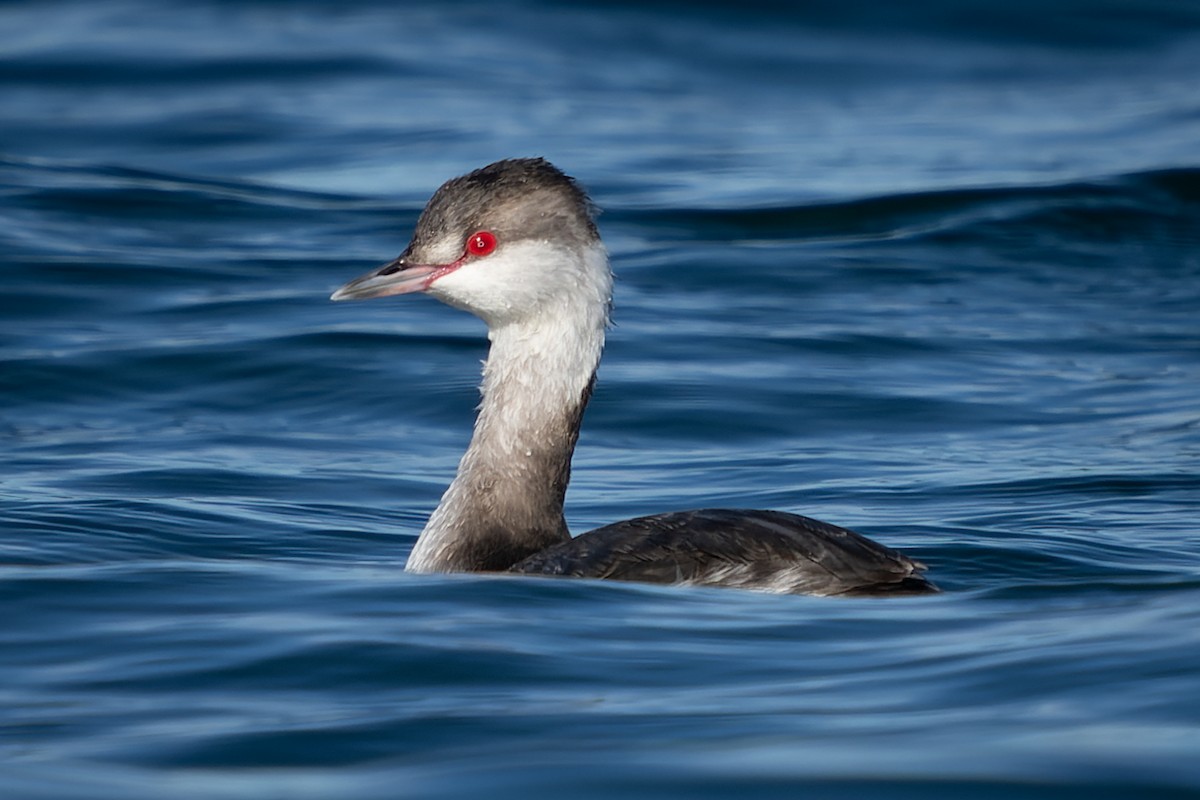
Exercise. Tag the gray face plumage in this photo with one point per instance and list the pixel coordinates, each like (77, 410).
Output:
(544, 246)
(516, 199)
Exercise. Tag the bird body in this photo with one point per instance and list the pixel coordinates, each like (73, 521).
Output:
(515, 244)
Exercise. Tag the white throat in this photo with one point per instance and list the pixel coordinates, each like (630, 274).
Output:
(506, 501)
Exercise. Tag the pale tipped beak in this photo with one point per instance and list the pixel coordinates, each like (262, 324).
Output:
(398, 277)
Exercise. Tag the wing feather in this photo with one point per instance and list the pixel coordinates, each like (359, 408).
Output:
(769, 550)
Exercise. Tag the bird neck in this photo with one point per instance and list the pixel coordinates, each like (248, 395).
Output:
(506, 502)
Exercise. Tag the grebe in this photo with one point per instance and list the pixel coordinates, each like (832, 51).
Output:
(515, 244)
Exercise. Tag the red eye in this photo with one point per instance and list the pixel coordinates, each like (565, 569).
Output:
(482, 243)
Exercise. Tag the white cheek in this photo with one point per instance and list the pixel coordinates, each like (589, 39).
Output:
(483, 287)
(506, 284)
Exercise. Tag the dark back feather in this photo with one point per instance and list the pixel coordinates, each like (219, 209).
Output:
(770, 550)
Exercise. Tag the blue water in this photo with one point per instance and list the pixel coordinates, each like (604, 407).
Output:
(930, 270)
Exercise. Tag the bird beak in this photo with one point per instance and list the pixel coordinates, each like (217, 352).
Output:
(398, 277)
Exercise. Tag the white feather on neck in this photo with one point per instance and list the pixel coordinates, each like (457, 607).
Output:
(546, 309)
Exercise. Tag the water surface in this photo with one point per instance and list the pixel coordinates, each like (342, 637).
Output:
(930, 273)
